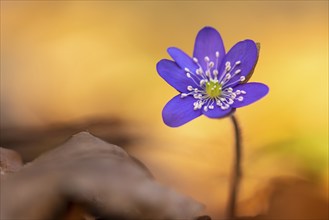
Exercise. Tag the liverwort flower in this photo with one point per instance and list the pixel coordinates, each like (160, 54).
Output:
(212, 82)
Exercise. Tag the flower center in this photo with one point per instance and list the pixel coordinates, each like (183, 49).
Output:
(213, 89)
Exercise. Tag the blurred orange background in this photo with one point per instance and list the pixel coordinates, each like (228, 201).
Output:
(68, 60)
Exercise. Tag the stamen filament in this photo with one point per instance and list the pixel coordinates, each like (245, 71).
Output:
(241, 79)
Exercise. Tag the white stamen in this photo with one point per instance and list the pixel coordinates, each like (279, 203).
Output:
(197, 105)
(183, 95)
(201, 76)
(202, 82)
(237, 71)
(217, 57)
(225, 106)
(240, 98)
(243, 92)
(226, 79)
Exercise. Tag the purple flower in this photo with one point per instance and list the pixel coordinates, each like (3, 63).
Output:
(213, 83)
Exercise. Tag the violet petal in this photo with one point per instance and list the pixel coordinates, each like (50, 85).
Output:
(173, 75)
(207, 43)
(217, 112)
(182, 59)
(254, 92)
(179, 111)
(242, 57)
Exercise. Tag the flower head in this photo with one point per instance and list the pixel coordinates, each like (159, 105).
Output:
(212, 82)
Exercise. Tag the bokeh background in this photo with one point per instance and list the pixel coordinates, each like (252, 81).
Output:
(83, 64)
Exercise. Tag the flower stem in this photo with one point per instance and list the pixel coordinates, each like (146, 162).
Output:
(236, 172)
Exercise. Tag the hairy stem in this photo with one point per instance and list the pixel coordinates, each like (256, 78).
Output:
(236, 172)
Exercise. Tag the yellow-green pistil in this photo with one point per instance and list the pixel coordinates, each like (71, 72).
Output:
(213, 89)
